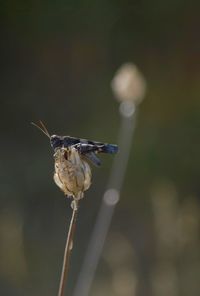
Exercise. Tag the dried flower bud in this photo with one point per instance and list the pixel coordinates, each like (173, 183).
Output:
(72, 173)
(128, 84)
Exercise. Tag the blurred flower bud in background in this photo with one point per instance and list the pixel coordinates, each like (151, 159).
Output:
(129, 84)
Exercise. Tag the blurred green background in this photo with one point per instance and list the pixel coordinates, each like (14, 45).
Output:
(57, 61)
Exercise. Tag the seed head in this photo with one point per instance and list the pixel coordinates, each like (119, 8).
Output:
(129, 84)
(72, 173)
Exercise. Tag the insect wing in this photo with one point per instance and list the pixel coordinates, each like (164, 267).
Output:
(102, 148)
(86, 146)
(93, 158)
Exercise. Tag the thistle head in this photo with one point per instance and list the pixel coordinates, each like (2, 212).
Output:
(72, 173)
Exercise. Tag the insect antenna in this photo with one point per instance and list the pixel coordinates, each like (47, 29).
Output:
(42, 128)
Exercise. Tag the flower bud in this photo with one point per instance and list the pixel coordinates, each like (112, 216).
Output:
(129, 84)
(72, 173)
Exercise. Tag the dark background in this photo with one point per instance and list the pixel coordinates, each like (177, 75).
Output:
(57, 61)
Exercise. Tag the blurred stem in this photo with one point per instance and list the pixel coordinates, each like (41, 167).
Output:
(68, 248)
(109, 201)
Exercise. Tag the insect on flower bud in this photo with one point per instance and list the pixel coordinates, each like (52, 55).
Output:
(72, 173)
(129, 84)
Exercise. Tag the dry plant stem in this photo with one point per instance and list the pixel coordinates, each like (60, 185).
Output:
(68, 249)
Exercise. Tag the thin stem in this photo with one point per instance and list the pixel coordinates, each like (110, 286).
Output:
(109, 202)
(68, 248)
